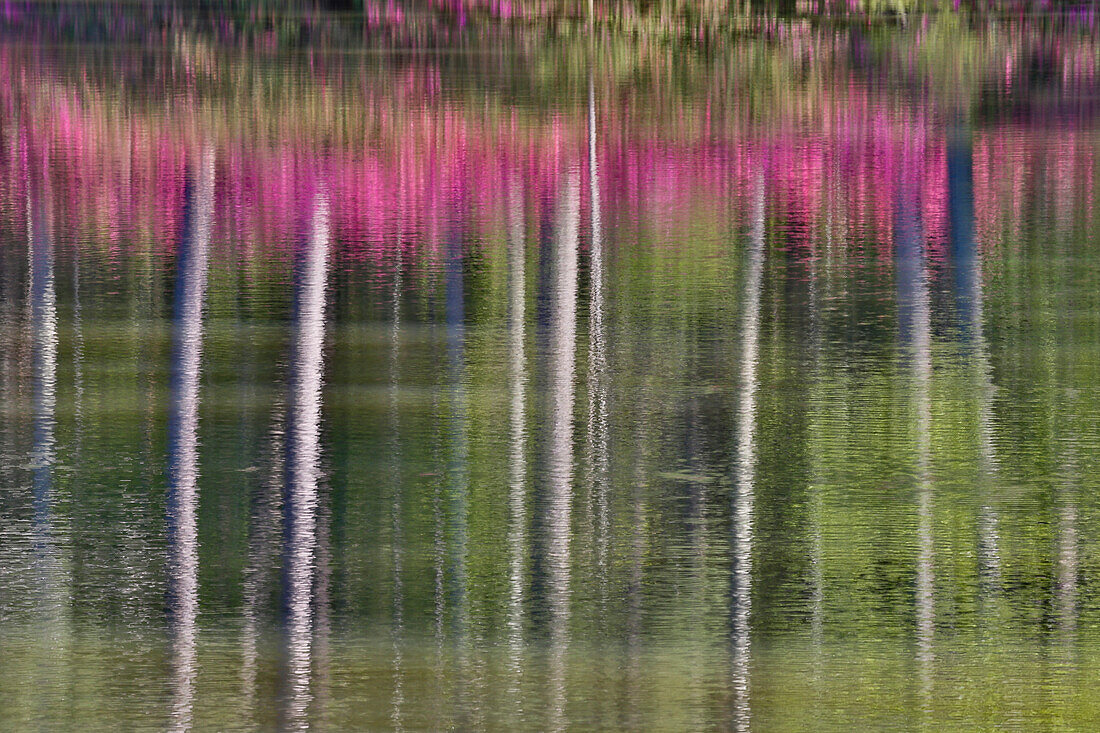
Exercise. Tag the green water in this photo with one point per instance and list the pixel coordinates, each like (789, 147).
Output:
(384, 391)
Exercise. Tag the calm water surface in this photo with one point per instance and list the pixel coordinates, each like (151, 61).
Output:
(544, 385)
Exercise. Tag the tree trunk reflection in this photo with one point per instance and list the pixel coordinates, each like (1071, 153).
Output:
(183, 441)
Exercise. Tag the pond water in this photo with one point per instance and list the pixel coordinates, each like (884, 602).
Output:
(548, 383)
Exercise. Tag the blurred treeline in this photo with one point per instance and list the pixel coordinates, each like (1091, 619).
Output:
(310, 20)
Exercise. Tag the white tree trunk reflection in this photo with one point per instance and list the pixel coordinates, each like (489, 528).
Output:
(183, 420)
(744, 466)
(52, 585)
(303, 453)
(598, 457)
(517, 539)
(563, 337)
(43, 326)
(914, 309)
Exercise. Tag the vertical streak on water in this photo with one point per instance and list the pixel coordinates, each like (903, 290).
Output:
(914, 316)
(1067, 563)
(744, 466)
(439, 562)
(563, 338)
(817, 583)
(823, 408)
(635, 601)
(261, 503)
(969, 303)
(517, 539)
(397, 501)
(697, 525)
(303, 452)
(1066, 579)
(261, 572)
(263, 549)
(44, 369)
(440, 703)
(458, 468)
(322, 604)
(1066, 598)
(78, 371)
(78, 362)
(695, 595)
(183, 421)
(50, 581)
(598, 458)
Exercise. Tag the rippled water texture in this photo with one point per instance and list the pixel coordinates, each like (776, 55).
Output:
(532, 383)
